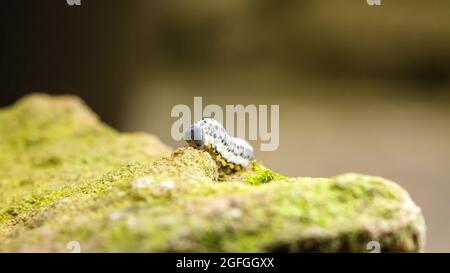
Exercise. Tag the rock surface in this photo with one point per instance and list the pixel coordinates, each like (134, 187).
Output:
(67, 178)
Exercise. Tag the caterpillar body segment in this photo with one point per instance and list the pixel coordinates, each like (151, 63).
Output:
(231, 154)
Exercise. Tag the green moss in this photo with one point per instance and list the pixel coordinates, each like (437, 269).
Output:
(67, 177)
(262, 175)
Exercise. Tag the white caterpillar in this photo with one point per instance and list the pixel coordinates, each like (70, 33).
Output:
(230, 152)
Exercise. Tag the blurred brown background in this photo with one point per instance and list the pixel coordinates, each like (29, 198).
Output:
(360, 88)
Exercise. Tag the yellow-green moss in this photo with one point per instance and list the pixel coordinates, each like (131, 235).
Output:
(66, 177)
(262, 175)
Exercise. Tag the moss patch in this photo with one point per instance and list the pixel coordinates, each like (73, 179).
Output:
(262, 175)
(65, 176)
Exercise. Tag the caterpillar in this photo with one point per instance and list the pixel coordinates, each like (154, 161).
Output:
(231, 154)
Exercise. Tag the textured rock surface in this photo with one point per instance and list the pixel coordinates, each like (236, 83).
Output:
(64, 177)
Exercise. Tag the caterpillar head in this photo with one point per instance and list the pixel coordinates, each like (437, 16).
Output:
(195, 136)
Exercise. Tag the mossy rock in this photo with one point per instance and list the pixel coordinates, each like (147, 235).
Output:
(65, 176)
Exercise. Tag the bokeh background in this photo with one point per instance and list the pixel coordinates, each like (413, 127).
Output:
(360, 88)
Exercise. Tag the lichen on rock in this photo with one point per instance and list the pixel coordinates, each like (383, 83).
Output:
(65, 176)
